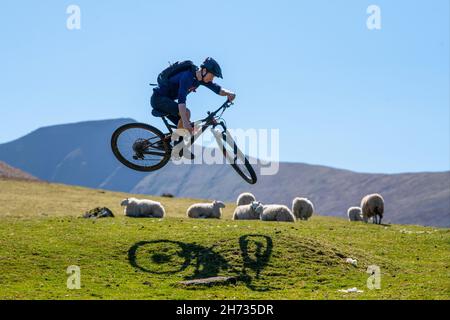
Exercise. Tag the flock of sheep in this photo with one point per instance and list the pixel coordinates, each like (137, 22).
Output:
(372, 207)
(250, 209)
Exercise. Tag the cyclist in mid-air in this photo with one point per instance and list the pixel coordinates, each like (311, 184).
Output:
(180, 79)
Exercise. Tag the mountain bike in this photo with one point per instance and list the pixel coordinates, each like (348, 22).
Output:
(142, 147)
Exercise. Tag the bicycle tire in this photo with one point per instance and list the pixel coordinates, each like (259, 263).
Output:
(165, 157)
(224, 140)
(144, 247)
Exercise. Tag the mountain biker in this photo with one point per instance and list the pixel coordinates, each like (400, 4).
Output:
(180, 85)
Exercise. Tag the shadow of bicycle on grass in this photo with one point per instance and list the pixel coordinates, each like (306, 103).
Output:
(171, 257)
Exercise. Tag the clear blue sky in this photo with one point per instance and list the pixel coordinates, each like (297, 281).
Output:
(341, 95)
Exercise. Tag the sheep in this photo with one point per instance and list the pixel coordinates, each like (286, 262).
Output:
(372, 206)
(245, 198)
(276, 212)
(354, 214)
(206, 210)
(144, 208)
(302, 208)
(250, 211)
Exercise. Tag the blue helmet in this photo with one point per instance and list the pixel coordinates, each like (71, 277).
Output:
(212, 66)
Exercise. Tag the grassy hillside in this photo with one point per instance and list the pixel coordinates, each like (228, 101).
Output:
(41, 234)
(70, 153)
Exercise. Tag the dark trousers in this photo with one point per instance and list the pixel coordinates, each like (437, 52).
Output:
(166, 105)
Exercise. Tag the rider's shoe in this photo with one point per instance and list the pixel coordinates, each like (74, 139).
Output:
(188, 155)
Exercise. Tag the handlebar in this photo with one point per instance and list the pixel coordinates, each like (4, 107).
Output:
(223, 107)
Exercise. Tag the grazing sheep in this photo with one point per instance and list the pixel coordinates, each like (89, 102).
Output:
(277, 212)
(143, 208)
(354, 214)
(302, 208)
(250, 211)
(372, 206)
(206, 210)
(245, 198)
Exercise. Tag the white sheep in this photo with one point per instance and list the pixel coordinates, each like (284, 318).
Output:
(206, 210)
(277, 212)
(250, 211)
(372, 206)
(302, 208)
(354, 214)
(142, 208)
(245, 198)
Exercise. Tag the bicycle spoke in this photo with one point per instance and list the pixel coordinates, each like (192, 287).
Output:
(128, 138)
(140, 147)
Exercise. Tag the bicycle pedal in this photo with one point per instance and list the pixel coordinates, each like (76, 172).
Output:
(189, 155)
(177, 156)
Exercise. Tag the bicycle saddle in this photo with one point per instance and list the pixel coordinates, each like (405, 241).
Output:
(158, 113)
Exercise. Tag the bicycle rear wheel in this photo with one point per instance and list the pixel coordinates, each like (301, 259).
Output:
(238, 161)
(140, 147)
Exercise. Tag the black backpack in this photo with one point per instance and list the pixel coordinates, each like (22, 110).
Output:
(173, 69)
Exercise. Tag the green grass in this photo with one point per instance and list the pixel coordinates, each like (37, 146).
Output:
(41, 234)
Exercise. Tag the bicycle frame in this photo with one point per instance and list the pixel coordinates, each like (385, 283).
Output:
(167, 150)
(209, 121)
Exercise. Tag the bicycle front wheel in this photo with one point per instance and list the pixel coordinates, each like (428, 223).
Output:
(140, 147)
(238, 161)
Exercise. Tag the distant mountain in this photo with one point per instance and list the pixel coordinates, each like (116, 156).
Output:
(8, 172)
(77, 154)
(80, 154)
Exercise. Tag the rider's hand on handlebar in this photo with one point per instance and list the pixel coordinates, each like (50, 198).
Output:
(193, 129)
(231, 96)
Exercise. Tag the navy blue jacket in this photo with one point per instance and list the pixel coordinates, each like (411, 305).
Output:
(183, 83)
